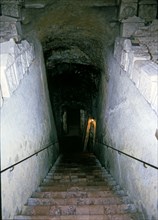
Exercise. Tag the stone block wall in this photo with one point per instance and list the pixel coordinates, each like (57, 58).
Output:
(16, 60)
(145, 9)
(10, 28)
(138, 57)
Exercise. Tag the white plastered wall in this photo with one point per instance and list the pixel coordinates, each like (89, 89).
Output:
(27, 125)
(128, 122)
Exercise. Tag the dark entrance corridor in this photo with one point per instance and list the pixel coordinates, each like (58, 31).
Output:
(71, 141)
(73, 121)
(73, 90)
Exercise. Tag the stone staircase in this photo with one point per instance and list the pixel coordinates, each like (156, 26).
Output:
(78, 188)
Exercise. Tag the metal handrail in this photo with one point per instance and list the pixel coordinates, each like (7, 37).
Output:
(128, 155)
(36, 153)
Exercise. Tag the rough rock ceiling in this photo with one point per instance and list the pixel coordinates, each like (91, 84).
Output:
(86, 25)
(74, 35)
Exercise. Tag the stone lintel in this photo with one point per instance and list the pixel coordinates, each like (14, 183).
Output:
(12, 8)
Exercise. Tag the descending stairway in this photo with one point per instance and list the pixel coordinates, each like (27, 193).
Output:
(78, 188)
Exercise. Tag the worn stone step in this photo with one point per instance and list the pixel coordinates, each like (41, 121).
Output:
(57, 176)
(78, 178)
(63, 170)
(81, 173)
(70, 174)
(68, 171)
(77, 194)
(79, 217)
(77, 182)
(78, 201)
(77, 167)
(78, 210)
(81, 188)
(71, 178)
(88, 178)
(74, 182)
(73, 188)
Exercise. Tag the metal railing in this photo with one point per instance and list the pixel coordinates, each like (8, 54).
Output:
(26, 158)
(128, 155)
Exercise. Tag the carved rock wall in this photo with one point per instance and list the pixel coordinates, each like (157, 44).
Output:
(27, 124)
(127, 118)
(127, 122)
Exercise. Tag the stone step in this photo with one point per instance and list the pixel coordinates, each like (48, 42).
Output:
(73, 183)
(71, 177)
(77, 172)
(56, 210)
(77, 179)
(79, 217)
(74, 188)
(78, 201)
(81, 173)
(77, 194)
(81, 177)
(77, 175)
(57, 176)
(66, 171)
(72, 180)
(77, 167)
